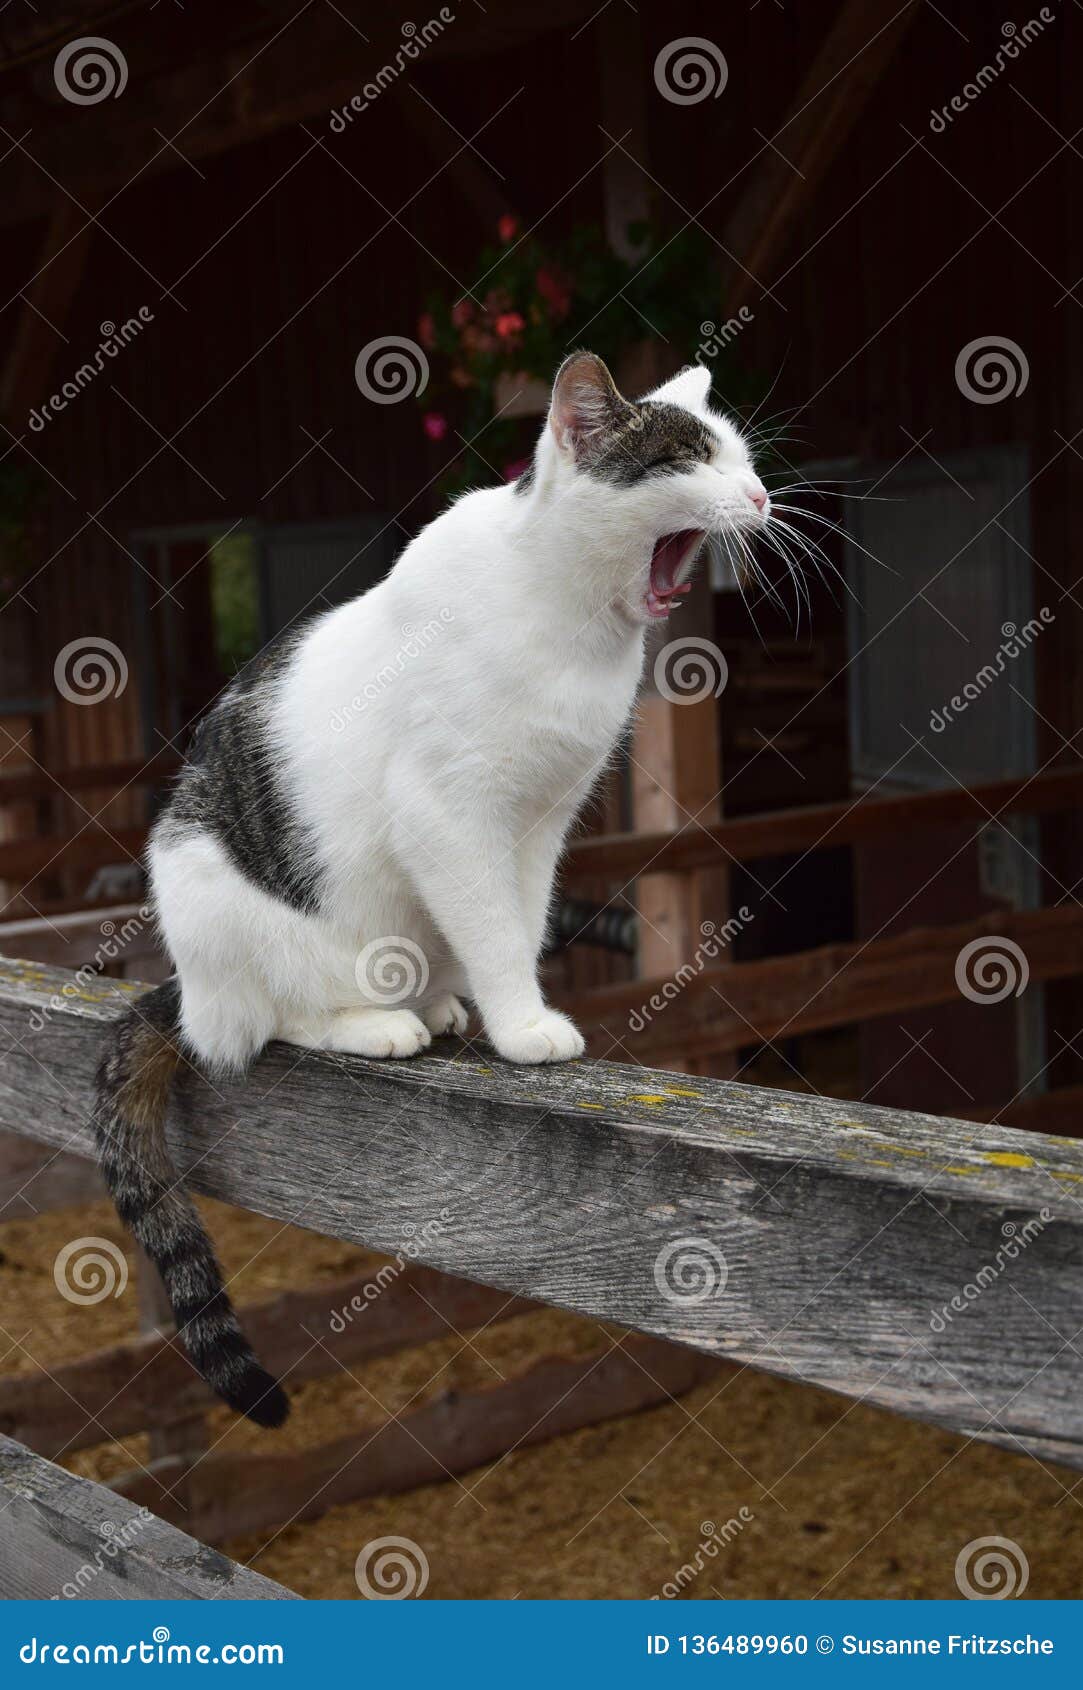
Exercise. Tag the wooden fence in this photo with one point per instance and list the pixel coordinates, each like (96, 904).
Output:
(929, 1266)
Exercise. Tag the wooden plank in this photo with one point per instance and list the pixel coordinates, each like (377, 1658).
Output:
(832, 986)
(853, 821)
(35, 1179)
(62, 1536)
(100, 937)
(39, 332)
(54, 783)
(230, 1495)
(23, 859)
(845, 1230)
(133, 1386)
(833, 93)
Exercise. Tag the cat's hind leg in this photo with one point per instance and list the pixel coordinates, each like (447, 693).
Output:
(367, 1031)
(444, 1015)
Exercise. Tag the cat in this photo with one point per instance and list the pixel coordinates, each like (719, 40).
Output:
(368, 825)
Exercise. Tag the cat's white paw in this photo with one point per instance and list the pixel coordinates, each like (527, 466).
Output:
(550, 1037)
(379, 1032)
(445, 1015)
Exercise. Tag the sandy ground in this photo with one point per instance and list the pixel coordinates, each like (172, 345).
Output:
(837, 1500)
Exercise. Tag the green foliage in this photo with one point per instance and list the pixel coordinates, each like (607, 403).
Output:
(235, 601)
(536, 302)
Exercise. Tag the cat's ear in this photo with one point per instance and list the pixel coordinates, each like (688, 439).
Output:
(688, 388)
(585, 406)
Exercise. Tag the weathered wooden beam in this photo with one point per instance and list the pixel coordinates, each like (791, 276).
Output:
(150, 1382)
(835, 90)
(229, 1495)
(45, 304)
(820, 1240)
(62, 1536)
(817, 826)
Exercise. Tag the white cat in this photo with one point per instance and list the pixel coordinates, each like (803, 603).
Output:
(368, 826)
(424, 816)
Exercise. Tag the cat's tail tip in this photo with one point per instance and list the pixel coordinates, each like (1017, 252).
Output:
(259, 1397)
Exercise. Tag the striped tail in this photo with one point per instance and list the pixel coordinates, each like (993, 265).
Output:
(133, 1083)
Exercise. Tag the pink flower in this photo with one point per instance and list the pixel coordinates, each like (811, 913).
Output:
(434, 424)
(555, 290)
(514, 470)
(426, 330)
(509, 324)
(462, 313)
(507, 228)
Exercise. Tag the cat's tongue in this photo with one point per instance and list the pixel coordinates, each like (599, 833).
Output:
(671, 553)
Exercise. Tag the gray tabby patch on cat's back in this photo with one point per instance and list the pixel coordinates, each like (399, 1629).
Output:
(231, 787)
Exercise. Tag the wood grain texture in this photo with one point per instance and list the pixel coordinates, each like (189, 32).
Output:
(300, 1335)
(853, 821)
(839, 81)
(722, 1008)
(230, 1495)
(846, 1230)
(64, 1536)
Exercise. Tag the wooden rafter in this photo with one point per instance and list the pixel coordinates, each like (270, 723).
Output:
(845, 72)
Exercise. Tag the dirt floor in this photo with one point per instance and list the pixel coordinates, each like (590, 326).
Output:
(837, 1499)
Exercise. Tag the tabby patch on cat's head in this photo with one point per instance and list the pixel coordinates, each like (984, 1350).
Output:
(666, 470)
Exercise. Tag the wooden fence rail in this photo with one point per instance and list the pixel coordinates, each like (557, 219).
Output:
(930, 1266)
(63, 1536)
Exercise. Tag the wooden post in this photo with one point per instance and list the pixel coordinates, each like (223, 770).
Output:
(675, 764)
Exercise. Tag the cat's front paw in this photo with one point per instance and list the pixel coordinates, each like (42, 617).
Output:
(549, 1037)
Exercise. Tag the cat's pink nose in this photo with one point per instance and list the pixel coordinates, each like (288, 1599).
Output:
(758, 496)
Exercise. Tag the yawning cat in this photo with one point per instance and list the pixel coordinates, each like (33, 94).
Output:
(369, 824)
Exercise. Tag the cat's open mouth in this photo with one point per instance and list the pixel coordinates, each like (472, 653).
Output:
(671, 561)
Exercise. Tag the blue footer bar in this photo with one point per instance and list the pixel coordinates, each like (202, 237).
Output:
(547, 1643)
